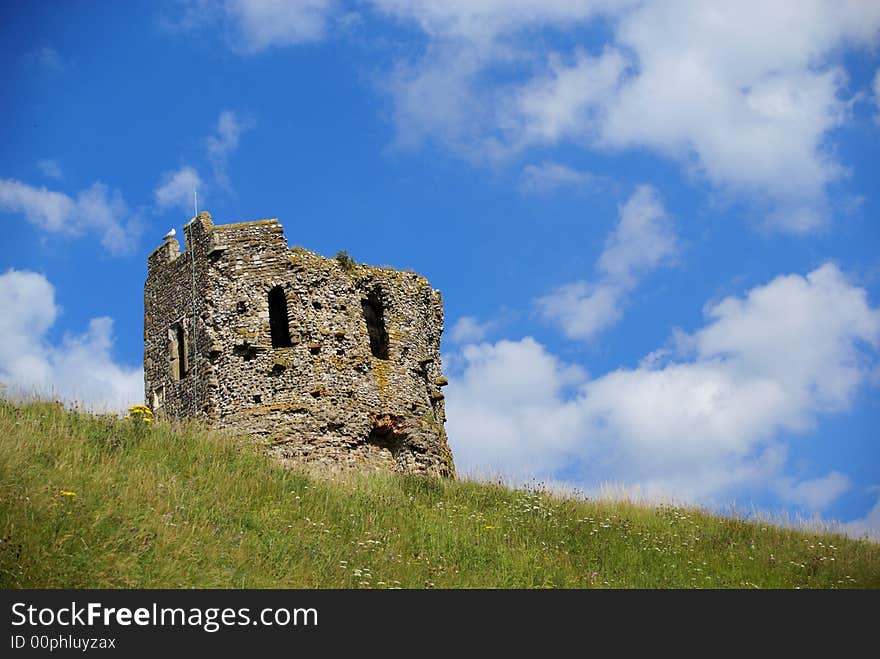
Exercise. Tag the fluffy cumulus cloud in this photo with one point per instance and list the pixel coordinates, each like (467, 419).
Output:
(743, 94)
(96, 209)
(79, 369)
(642, 240)
(176, 189)
(509, 412)
(692, 427)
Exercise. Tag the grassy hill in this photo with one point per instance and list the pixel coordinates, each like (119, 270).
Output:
(91, 501)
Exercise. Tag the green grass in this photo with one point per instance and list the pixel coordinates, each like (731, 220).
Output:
(160, 507)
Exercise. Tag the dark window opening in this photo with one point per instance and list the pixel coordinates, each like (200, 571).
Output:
(258, 399)
(181, 349)
(177, 351)
(278, 323)
(373, 314)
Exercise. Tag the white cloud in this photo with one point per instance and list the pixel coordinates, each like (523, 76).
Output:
(223, 143)
(50, 168)
(468, 329)
(95, 209)
(582, 309)
(252, 26)
(567, 101)
(266, 23)
(507, 411)
(867, 526)
(742, 94)
(818, 493)
(177, 188)
(80, 369)
(226, 139)
(483, 21)
(694, 429)
(549, 176)
(642, 241)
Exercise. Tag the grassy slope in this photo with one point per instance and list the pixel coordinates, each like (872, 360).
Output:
(180, 508)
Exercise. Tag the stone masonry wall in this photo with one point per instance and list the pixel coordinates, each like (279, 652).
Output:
(323, 393)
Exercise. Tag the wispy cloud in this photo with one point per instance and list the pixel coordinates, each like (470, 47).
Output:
(642, 241)
(222, 143)
(252, 26)
(815, 494)
(96, 209)
(50, 168)
(549, 176)
(468, 329)
(176, 189)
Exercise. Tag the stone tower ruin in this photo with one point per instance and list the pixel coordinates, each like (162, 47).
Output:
(326, 360)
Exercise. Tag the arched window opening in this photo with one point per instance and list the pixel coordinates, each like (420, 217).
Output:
(278, 323)
(373, 314)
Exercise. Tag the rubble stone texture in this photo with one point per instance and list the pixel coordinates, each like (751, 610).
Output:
(328, 361)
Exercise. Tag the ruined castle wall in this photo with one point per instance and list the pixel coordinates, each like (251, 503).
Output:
(323, 393)
(173, 360)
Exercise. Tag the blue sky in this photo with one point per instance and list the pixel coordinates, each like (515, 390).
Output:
(655, 224)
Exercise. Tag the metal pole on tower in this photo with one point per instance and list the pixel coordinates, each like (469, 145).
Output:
(195, 347)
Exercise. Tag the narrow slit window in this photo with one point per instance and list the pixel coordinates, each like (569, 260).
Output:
(374, 316)
(278, 323)
(177, 351)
